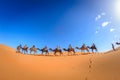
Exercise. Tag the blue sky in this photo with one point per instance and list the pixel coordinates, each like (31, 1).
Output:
(59, 22)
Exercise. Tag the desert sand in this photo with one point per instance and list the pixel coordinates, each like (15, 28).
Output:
(99, 66)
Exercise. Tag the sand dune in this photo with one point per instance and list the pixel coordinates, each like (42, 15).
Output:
(15, 66)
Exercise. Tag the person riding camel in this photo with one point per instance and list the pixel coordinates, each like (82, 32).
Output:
(25, 46)
(20, 45)
(58, 48)
(33, 46)
(113, 47)
(70, 46)
(45, 48)
(93, 44)
(83, 45)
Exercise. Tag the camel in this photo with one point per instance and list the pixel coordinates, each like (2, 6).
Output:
(69, 50)
(33, 49)
(93, 47)
(44, 50)
(117, 43)
(25, 50)
(83, 48)
(56, 50)
(18, 49)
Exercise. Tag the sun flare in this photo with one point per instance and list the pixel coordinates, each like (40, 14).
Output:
(117, 9)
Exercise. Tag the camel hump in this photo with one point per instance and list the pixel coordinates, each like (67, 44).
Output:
(25, 46)
(33, 46)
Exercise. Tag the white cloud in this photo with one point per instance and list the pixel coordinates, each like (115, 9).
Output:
(112, 29)
(96, 32)
(103, 13)
(104, 24)
(98, 17)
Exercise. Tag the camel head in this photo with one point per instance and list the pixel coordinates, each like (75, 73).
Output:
(30, 48)
(20, 46)
(77, 47)
(64, 49)
(27, 47)
(51, 49)
(89, 47)
(38, 49)
(117, 43)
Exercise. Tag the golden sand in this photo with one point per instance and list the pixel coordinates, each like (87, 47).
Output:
(16, 66)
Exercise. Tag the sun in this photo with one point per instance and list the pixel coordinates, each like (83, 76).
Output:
(117, 9)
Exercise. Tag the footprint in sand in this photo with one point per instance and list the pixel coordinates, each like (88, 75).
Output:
(86, 78)
(89, 71)
(90, 66)
(90, 61)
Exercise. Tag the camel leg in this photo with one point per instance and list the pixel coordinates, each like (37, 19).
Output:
(30, 52)
(71, 53)
(74, 52)
(22, 51)
(96, 50)
(61, 53)
(92, 51)
(47, 52)
(87, 50)
(42, 52)
(17, 51)
(55, 53)
(26, 51)
(35, 52)
(81, 51)
(68, 53)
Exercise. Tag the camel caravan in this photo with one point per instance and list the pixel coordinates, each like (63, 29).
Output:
(71, 51)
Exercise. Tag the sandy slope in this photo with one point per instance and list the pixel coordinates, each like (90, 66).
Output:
(15, 66)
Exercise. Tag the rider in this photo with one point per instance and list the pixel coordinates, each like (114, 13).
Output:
(70, 46)
(113, 47)
(20, 45)
(33, 46)
(58, 47)
(93, 44)
(25, 46)
(45, 48)
(83, 45)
